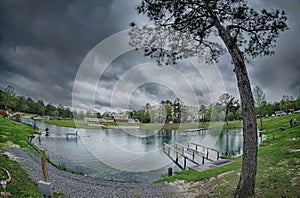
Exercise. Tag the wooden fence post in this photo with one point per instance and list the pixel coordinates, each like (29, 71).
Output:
(44, 165)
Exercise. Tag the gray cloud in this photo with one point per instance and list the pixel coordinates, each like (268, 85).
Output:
(279, 75)
(45, 41)
(42, 44)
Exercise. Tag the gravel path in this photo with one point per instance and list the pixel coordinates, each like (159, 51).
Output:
(83, 186)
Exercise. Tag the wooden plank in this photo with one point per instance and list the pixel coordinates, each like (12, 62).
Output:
(168, 154)
(194, 130)
(178, 153)
(190, 149)
(197, 153)
(205, 147)
(207, 150)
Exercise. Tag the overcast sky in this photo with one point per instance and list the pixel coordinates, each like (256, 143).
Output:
(44, 46)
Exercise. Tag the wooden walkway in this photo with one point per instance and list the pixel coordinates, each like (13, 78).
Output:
(189, 152)
(72, 134)
(211, 165)
(195, 130)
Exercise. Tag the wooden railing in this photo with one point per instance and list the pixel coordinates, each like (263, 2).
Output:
(188, 153)
(167, 149)
(205, 148)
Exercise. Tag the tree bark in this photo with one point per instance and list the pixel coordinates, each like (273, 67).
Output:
(247, 179)
(246, 185)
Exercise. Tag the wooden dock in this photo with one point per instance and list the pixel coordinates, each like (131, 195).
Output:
(72, 134)
(195, 130)
(189, 152)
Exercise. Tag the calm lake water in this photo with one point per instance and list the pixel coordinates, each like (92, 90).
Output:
(127, 155)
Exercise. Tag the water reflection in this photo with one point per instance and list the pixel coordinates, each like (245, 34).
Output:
(119, 155)
(231, 142)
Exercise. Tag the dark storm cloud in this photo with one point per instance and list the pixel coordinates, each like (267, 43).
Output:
(152, 93)
(279, 75)
(158, 91)
(45, 41)
(42, 44)
(121, 65)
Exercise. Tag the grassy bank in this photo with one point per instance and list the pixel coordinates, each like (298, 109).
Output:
(15, 134)
(71, 124)
(144, 126)
(278, 166)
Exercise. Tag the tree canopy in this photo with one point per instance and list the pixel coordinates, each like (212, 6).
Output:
(186, 28)
(190, 28)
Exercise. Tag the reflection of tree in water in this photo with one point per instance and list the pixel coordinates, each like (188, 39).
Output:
(230, 140)
(163, 136)
(150, 139)
(166, 135)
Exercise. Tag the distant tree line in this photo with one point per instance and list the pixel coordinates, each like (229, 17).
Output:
(227, 108)
(9, 101)
(165, 112)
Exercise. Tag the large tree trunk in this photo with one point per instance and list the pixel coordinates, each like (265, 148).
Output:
(246, 185)
(247, 179)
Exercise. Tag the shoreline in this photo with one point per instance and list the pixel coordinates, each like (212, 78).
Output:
(68, 183)
(280, 149)
(145, 126)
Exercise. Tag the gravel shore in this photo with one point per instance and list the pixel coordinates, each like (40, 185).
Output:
(83, 186)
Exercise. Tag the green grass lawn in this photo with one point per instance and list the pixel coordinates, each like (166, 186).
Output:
(15, 134)
(278, 166)
(72, 124)
(145, 126)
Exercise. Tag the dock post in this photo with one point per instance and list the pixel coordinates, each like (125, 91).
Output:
(170, 171)
(207, 153)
